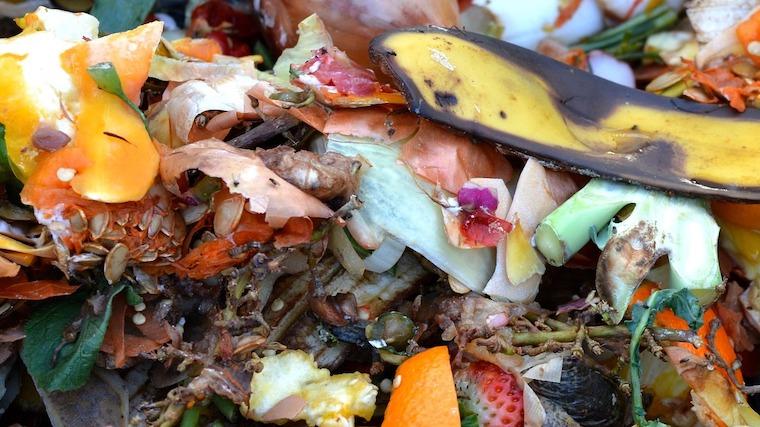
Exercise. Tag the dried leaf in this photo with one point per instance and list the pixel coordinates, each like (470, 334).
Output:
(244, 173)
(36, 289)
(448, 159)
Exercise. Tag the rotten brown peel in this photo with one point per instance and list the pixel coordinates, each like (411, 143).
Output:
(571, 119)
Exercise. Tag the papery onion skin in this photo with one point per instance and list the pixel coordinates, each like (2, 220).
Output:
(352, 23)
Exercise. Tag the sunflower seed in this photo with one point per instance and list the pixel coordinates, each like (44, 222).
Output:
(116, 262)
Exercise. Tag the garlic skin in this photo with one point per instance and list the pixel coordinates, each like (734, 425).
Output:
(527, 23)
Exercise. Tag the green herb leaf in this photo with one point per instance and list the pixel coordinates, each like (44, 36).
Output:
(107, 79)
(470, 421)
(468, 417)
(6, 173)
(686, 306)
(44, 336)
(120, 15)
(133, 298)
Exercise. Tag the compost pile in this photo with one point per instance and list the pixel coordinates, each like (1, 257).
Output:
(430, 213)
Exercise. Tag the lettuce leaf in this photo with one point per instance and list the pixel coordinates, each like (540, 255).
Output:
(394, 201)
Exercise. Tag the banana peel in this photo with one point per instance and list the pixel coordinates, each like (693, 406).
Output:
(536, 106)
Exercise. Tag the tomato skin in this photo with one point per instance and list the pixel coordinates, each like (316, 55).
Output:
(481, 228)
(230, 27)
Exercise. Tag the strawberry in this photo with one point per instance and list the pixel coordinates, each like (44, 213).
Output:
(488, 396)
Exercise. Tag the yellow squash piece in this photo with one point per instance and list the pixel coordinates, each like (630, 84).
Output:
(44, 83)
(122, 160)
(543, 108)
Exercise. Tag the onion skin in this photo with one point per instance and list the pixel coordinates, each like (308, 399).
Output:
(352, 23)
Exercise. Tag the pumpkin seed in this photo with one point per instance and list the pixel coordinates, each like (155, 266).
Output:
(145, 220)
(149, 256)
(179, 232)
(698, 94)
(155, 225)
(665, 80)
(115, 234)
(744, 68)
(15, 213)
(84, 261)
(116, 262)
(78, 221)
(167, 224)
(94, 248)
(98, 224)
(194, 214)
(123, 219)
(249, 343)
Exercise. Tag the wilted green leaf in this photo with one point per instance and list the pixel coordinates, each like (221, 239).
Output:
(59, 366)
(133, 297)
(107, 79)
(120, 15)
(686, 306)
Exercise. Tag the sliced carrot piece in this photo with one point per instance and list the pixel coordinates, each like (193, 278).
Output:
(204, 49)
(424, 393)
(741, 214)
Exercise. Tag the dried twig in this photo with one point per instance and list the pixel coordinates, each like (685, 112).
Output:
(264, 131)
(716, 358)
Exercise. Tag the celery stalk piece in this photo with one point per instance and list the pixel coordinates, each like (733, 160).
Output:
(398, 203)
(679, 227)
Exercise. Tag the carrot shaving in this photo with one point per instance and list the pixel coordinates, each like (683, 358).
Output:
(211, 257)
(37, 289)
(668, 319)
(632, 9)
(123, 345)
(296, 231)
(567, 11)
(113, 342)
(723, 83)
(748, 31)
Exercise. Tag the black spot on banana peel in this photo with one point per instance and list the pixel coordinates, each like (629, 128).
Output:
(571, 119)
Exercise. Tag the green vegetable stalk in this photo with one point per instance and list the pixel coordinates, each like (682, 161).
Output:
(626, 41)
(657, 225)
(684, 305)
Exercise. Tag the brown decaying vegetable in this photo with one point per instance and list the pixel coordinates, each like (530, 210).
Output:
(244, 173)
(324, 177)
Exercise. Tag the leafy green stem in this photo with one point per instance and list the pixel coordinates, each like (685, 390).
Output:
(686, 306)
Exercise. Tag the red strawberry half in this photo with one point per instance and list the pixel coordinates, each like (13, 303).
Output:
(488, 396)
